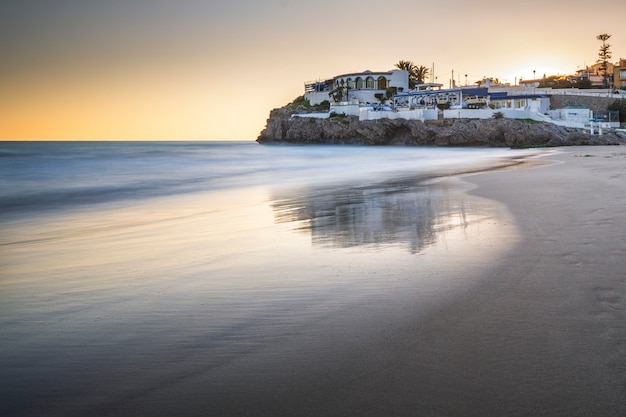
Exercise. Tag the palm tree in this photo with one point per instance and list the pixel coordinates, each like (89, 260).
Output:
(406, 65)
(417, 74)
(421, 73)
(411, 68)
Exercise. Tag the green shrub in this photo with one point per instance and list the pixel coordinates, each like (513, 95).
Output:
(300, 101)
(323, 106)
(620, 106)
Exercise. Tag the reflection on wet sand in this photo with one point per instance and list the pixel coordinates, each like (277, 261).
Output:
(408, 212)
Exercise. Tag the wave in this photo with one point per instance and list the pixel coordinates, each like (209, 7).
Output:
(51, 175)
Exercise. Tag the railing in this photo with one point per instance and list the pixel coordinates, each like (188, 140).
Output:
(606, 116)
(312, 86)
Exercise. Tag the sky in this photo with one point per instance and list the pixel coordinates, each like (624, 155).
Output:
(213, 69)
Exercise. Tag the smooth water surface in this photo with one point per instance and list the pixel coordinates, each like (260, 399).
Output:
(165, 278)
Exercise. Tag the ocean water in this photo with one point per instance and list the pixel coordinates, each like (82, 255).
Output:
(37, 176)
(199, 278)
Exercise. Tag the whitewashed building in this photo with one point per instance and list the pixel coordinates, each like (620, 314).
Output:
(535, 103)
(464, 98)
(358, 88)
(385, 95)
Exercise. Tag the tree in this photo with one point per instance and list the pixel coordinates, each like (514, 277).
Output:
(407, 66)
(619, 106)
(583, 83)
(337, 93)
(421, 73)
(603, 57)
(417, 74)
(410, 67)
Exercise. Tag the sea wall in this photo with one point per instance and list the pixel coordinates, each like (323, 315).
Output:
(595, 103)
(282, 128)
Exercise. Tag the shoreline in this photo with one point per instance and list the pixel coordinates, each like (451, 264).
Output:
(495, 291)
(557, 309)
(539, 333)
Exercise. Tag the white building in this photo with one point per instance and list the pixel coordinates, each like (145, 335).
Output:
(358, 88)
(465, 98)
(363, 94)
(534, 103)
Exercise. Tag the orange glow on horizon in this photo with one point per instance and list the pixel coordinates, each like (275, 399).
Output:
(206, 71)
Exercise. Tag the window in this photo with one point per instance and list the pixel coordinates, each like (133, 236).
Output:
(622, 73)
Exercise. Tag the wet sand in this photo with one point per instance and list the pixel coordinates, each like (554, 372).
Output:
(541, 333)
(547, 335)
(499, 293)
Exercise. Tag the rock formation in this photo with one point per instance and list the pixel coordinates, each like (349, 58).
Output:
(282, 128)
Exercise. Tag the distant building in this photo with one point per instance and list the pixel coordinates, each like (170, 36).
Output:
(529, 84)
(594, 74)
(619, 74)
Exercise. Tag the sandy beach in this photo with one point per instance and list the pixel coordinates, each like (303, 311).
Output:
(541, 333)
(547, 335)
(499, 293)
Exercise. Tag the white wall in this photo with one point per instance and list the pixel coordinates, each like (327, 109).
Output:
(345, 108)
(399, 79)
(509, 114)
(365, 96)
(416, 114)
(317, 97)
(468, 113)
(573, 115)
(324, 115)
(575, 118)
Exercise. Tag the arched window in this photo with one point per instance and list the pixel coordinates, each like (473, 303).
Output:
(359, 83)
(382, 83)
(369, 83)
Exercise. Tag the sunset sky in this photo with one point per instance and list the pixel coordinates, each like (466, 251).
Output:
(213, 69)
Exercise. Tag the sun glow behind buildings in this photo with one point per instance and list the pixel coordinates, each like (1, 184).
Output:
(210, 71)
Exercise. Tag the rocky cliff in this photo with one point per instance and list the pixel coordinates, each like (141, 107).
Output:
(282, 128)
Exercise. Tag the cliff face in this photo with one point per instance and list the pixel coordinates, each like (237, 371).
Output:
(282, 128)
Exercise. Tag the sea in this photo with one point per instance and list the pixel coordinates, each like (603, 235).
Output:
(211, 278)
(44, 176)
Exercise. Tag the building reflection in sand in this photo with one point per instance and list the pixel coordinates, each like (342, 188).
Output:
(406, 212)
